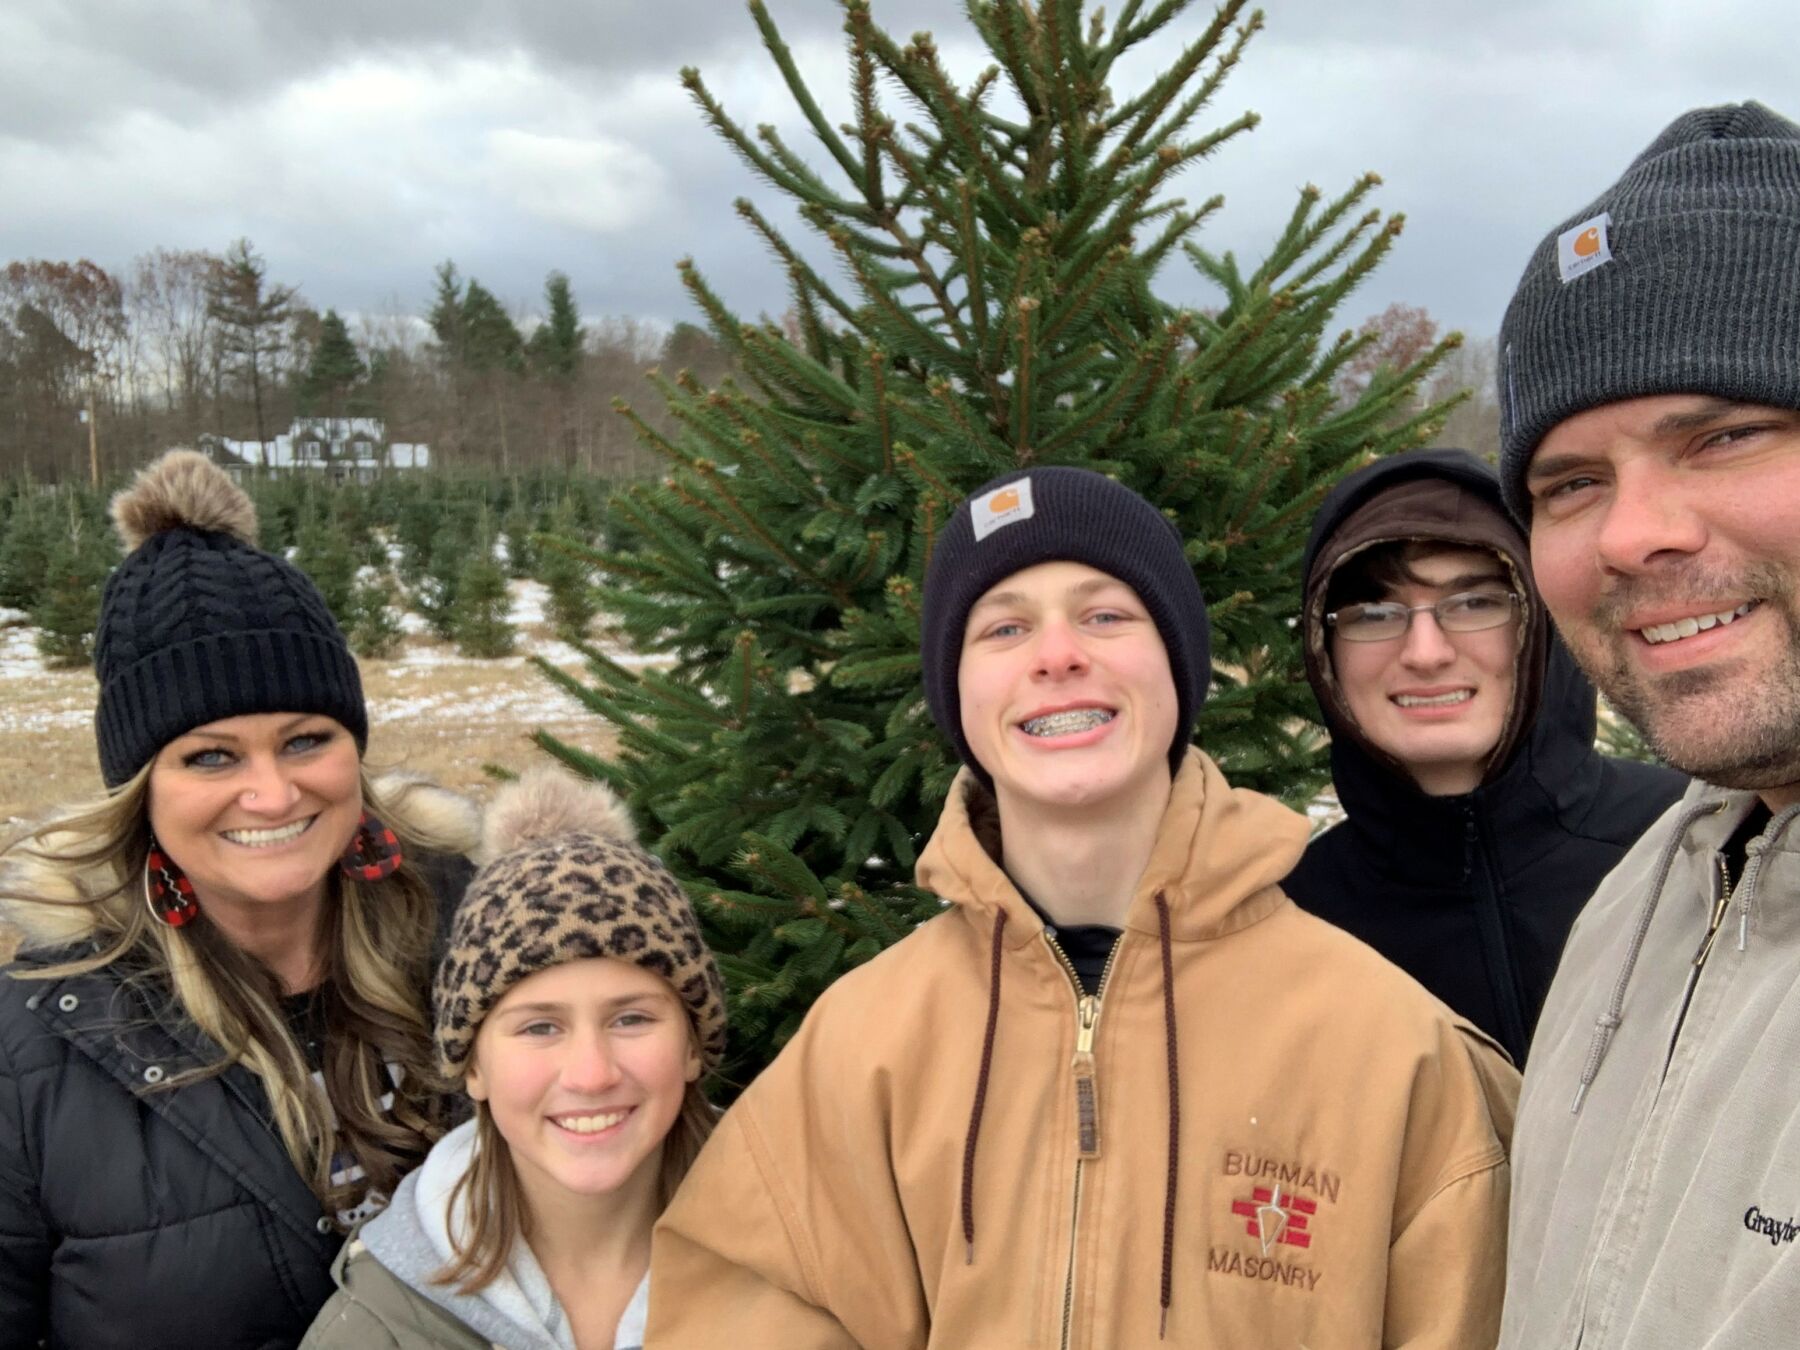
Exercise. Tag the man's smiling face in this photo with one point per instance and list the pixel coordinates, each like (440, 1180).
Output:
(1665, 535)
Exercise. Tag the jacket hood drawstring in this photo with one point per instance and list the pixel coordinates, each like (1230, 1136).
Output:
(1168, 1243)
(1608, 1021)
(1174, 1064)
(1755, 852)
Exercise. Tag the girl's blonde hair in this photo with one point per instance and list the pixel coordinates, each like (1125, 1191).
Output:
(494, 1212)
(377, 967)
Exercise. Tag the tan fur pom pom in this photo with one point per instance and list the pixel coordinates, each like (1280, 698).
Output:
(183, 490)
(547, 802)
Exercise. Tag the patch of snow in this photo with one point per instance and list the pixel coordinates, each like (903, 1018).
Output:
(19, 658)
(527, 705)
(528, 600)
(413, 625)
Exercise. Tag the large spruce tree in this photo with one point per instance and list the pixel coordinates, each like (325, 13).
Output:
(982, 294)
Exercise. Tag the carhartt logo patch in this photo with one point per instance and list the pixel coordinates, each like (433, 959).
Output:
(1582, 248)
(1002, 507)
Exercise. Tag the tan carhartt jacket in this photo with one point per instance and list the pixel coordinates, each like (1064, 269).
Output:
(940, 1159)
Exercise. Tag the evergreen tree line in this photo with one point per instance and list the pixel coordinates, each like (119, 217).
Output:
(186, 344)
(441, 546)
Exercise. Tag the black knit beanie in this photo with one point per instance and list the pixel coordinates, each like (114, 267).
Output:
(1059, 514)
(1681, 278)
(198, 624)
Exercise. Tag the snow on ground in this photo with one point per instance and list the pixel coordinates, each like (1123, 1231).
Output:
(526, 699)
(528, 599)
(535, 701)
(19, 657)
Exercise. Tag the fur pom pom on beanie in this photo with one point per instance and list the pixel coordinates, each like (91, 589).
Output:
(199, 624)
(567, 880)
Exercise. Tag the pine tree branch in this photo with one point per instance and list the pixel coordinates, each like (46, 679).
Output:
(790, 74)
(1222, 68)
(884, 429)
(806, 186)
(748, 522)
(1026, 347)
(1143, 112)
(881, 297)
(998, 24)
(793, 261)
(974, 268)
(869, 121)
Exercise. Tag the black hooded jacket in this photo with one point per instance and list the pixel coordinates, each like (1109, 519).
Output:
(1473, 895)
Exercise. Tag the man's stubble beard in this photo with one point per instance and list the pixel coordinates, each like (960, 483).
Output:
(1751, 743)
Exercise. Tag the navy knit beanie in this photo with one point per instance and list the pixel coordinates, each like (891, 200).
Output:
(198, 624)
(1060, 514)
(1681, 278)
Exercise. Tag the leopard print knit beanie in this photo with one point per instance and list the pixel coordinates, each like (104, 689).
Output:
(567, 880)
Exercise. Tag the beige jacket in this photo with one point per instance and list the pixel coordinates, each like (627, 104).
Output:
(1284, 1143)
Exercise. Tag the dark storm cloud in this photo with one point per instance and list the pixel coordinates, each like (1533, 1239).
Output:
(357, 144)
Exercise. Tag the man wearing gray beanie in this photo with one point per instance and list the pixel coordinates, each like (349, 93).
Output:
(1650, 401)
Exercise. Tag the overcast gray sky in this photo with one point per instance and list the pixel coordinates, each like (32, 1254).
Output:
(357, 143)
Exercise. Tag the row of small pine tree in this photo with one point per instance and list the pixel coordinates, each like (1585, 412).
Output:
(444, 547)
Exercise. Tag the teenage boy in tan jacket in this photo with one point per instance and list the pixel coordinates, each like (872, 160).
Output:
(1122, 1090)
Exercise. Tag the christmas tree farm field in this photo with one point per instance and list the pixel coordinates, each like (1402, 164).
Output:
(432, 710)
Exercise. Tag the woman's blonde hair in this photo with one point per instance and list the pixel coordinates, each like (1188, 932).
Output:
(494, 1212)
(377, 967)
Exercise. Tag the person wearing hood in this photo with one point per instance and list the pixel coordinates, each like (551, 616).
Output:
(1478, 815)
(579, 1007)
(215, 1043)
(1650, 442)
(1122, 1092)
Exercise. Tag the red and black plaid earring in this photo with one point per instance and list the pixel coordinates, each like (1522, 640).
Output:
(374, 851)
(168, 894)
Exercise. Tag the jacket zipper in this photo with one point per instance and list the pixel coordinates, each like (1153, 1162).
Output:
(1087, 1104)
(1721, 905)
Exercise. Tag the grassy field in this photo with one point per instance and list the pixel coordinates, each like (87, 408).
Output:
(431, 712)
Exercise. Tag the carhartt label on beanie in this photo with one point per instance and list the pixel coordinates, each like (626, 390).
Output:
(1004, 506)
(1680, 278)
(1583, 247)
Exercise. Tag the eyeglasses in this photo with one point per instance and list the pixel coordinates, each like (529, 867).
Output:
(1465, 612)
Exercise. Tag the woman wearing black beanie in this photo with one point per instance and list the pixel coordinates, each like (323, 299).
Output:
(215, 1045)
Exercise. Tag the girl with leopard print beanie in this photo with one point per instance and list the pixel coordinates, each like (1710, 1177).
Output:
(579, 1008)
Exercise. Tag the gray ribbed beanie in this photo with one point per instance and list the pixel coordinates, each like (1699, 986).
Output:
(1681, 278)
(198, 624)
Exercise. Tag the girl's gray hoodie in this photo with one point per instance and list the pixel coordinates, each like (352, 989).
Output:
(386, 1297)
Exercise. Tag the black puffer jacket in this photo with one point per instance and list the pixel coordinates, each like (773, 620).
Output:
(139, 1218)
(1473, 895)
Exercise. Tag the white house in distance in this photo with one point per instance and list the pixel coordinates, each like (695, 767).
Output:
(340, 447)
